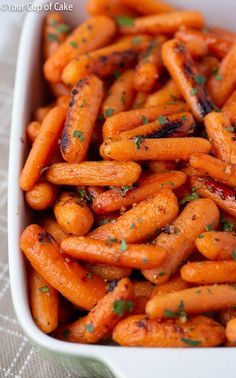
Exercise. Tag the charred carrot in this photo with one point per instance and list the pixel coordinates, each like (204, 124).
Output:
(217, 245)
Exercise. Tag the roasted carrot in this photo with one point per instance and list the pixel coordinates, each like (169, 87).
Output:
(129, 120)
(208, 66)
(86, 100)
(164, 23)
(105, 61)
(93, 191)
(216, 168)
(90, 35)
(140, 330)
(112, 9)
(99, 173)
(117, 198)
(64, 101)
(154, 149)
(52, 227)
(120, 95)
(41, 112)
(136, 256)
(139, 100)
(181, 67)
(196, 300)
(42, 148)
(221, 86)
(60, 89)
(142, 221)
(217, 245)
(178, 238)
(161, 166)
(44, 302)
(229, 108)
(148, 6)
(41, 196)
(175, 283)
(169, 93)
(55, 32)
(222, 136)
(230, 331)
(32, 130)
(226, 315)
(101, 320)
(142, 289)
(68, 277)
(108, 272)
(72, 214)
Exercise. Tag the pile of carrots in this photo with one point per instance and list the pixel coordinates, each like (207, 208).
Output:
(132, 176)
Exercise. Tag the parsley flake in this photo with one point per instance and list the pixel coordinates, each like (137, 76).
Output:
(233, 254)
(209, 227)
(109, 112)
(74, 44)
(66, 333)
(52, 37)
(123, 246)
(124, 21)
(137, 141)
(190, 341)
(194, 91)
(145, 120)
(89, 328)
(44, 289)
(226, 224)
(132, 226)
(190, 197)
(231, 129)
(200, 79)
(136, 40)
(63, 28)
(200, 236)
(121, 306)
(162, 120)
(78, 134)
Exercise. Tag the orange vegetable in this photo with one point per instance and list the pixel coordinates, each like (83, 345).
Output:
(64, 101)
(55, 32)
(60, 90)
(148, 6)
(230, 331)
(40, 113)
(223, 33)
(178, 238)
(161, 166)
(169, 93)
(217, 245)
(90, 35)
(41, 196)
(42, 148)
(52, 227)
(227, 315)
(109, 272)
(142, 289)
(229, 108)
(44, 302)
(207, 66)
(140, 330)
(113, 9)
(139, 100)
(68, 277)
(32, 130)
(148, 216)
(175, 283)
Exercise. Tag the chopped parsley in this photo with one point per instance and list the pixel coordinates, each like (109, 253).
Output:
(89, 328)
(132, 226)
(145, 120)
(109, 112)
(123, 246)
(137, 141)
(124, 21)
(161, 274)
(209, 227)
(121, 306)
(190, 197)
(162, 120)
(184, 117)
(123, 100)
(44, 289)
(233, 254)
(63, 28)
(231, 129)
(190, 341)
(103, 221)
(52, 37)
(74, 44)
(66, 333)
(180, 313)
(226, 224)
(117, 74)
(78, 134)
(136, 40)
(194, 91)
(200, 236)
(200, 79)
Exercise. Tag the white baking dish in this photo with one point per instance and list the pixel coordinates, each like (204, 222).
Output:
(91, 360)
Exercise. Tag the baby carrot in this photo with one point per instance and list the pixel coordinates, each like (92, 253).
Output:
(64, 101)
(138, 256)
(217, 245)
(154, 149)
(44, 302)
(148, 6)
(139, 100)
(196, 300)
(120, 95)
(222, 136)
(68, 277)
(99, 173)
(229, 108)
(58, 90)
(32, 130)
(52, 227)
(108, 272)
(140, 330)
(105, 61)
(142, 221)
(161, 166)
(209, 272)
(40, 113)
(55, 32)
(175, 283)
(114, 9)
(42, 148)
(169, 93)
(101, 320)
(208, 66)
(227, 315)
(117, 198)
(164, 23)
(178, 238)
(86, 100)
(142, 289)
(90, 35)
(180, 65)
(41, 196)
(216, 168)
(230, 331)
(129, 120)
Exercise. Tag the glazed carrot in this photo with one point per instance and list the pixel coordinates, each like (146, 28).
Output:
(148, 7)
(227, 315)
(113, 9)
(68, 277)
(99, 173)
(217, 46)
(230, 331)
(105, 61)
(196, 300)
(222, 136)
(222, 195)
(139, 100)
(44, 302)
(52, 227)
(140, 330)
(175, 283)
(142, 221)
(55, 32)
(72, 214)
(129, 120)
(94, 191)
(142, 289)
(221, 86)
(154, 149)
(138, 256)
(161, 166)
(80, 121)
(208, 66)
(164, 23)
(176, 125)
(178, 238)
(169, 93)
(59, 89)
(41, 113)
(64, 101)
(32, 130)
(120, 95)
(101, 320)
(216, 168)
(42, 148)
(223, 33)
(209, 272)
(217, 245)
(150, 66)
(176, 58)
(41, 196)
(117, 198)
(198, 48)
(90, 35)
(108, 272)
(229, 108)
